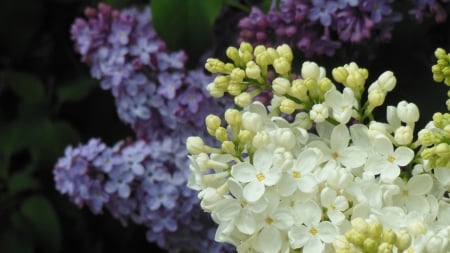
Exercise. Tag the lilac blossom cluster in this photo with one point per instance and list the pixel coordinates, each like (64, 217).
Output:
(139, 182)
(154, 93)
(320, 27)
(163, 102)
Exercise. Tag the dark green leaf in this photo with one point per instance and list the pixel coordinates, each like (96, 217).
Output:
(44, 223)
(22, 181)
(186, 24)
(12, 139)
(26, 86)
(76, 90)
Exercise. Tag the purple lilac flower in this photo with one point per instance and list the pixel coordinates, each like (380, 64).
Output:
(156, 198)
(322, 26)
(154, 92)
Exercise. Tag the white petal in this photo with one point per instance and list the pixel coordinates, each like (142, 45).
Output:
(417, 203)
(227, 209)
(311, 213)
(287, 185)
(283, 219)
(420, 184)
(253, 191)
(235, 188)
(443, 175)
(383, 146)
(262, 159)
(306, 161)
(353, 157)
(335, 216)
(299, 236)
(269, 240)
(327, 231)
(389, 173)
(246, 223)
(327, 197)
(307, 184)
(243, 172)
(314, 245)
(339, 138)
(273, 175)
(403, 155)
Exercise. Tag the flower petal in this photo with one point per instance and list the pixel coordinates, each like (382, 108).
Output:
(253, 191)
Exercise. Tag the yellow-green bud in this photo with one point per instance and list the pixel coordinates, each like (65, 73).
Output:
(221, 134)
(440, 53)
(355, 237)
(245, 47)
(376, 97)
(389, 236)
(252, 70)
(228, 67)
(195, 145)
(233, 54)
(299, 90)
(245, 136)
(237, 75)
(310, 70)
(214, 91)
(214, 65)
(370, 246)
(212, 121)
(228, 147)
(221, 82)
(246, 57)
(288, 106)
(282, 66)
(261, 139)
(375, 229)
(259, 49)
(263, 59)
(272, 53)
(340, 74)
(428, 153)
(426, 137)
(403, 240)
(360, 225)
(403, 135)
(387, 81)
(341, 245)
(443, 150)
(243, 99)
(233, 117)
(325, 85)
(385, 248)
(235, 88)
(281, 86)
(286, 52)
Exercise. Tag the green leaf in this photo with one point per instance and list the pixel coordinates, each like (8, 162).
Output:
(44, 223)
(22, 181)
(186, 24)
(27, 86)
(12, 139)
(76, 90)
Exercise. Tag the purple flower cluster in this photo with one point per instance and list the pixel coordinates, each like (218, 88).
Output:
(154, 92)
(139, 182)
(142, 181)
(319, 27)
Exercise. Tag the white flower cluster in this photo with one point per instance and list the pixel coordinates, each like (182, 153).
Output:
(322, 180)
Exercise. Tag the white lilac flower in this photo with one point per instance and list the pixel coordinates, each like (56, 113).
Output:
(258, 175)
(385, 161)
(311, 233)
(413, 193)
(341, 104)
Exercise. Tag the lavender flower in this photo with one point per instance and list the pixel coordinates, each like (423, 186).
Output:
(322, 26)
(154, 92)
(156, 198)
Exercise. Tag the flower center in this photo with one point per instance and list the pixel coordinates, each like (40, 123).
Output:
(313, 231)
(335, 155)
(296, 174)
(391, 159)
(260, 176)
(268, 220)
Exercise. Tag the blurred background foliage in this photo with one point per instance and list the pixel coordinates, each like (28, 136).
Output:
(48, 101)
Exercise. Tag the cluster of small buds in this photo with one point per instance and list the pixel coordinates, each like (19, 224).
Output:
(371, 237)
(154, 92)
(321, 27)
(435, 137)
(136, 183)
